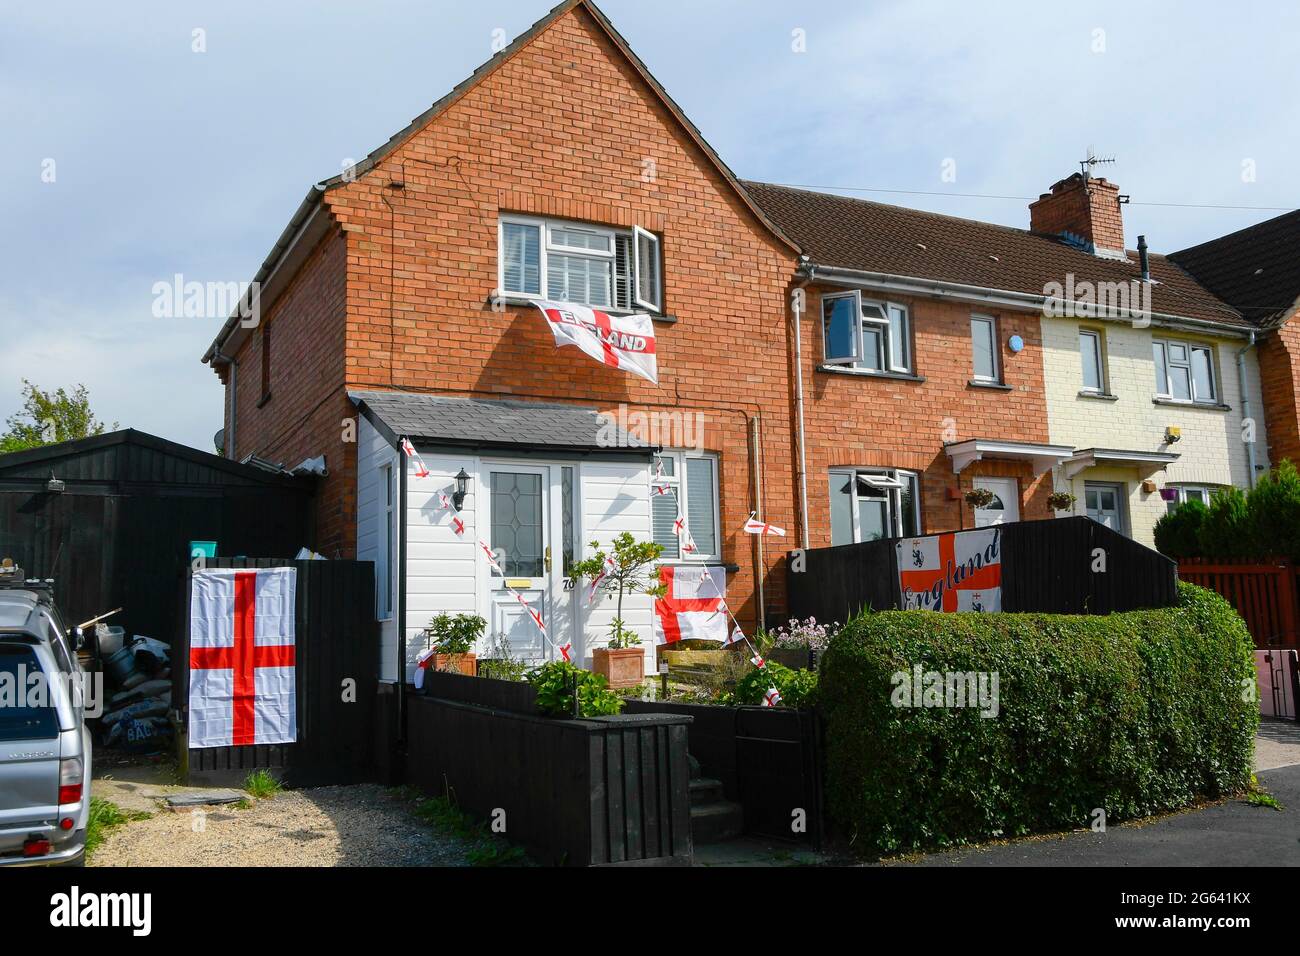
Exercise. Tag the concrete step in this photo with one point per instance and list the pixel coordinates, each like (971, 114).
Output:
(715, 822)
(706, 790)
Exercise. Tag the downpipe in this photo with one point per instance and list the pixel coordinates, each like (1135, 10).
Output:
(1245, 408)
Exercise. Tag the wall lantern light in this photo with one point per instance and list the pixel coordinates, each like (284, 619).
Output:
(462, 482)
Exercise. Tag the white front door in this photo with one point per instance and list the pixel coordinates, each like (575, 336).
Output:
(1005, 505)
(530, 530)
(1105, 504)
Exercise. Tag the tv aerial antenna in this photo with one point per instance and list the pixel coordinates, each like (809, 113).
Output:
(1093, 160)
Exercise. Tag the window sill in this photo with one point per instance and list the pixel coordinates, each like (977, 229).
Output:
(996, 386)
(865, 373)
(697, 563)
(1099, 396)
(526, 301)
(1208, 406)
(264, 399)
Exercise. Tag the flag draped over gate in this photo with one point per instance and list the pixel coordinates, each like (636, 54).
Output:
(624, 342)
(693, 606)
(242, 657)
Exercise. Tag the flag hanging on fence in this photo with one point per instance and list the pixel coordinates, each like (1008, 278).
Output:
(242, 657)
(693, 605)
(624, 342)
(958, 571)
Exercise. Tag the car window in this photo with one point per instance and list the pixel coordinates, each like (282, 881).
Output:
(58, 643)
(26, 697)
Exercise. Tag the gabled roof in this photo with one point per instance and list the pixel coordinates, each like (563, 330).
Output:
(488, 423)
(1256, 270)
(314, 194)
(865, 236)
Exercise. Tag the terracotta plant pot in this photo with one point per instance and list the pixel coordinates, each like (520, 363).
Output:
(621, 666)
(456, 664)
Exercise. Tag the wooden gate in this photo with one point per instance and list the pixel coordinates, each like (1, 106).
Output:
(1265, 594)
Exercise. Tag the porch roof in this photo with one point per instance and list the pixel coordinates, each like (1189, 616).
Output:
(497, 424)
(1147, 463)
(1041, 456)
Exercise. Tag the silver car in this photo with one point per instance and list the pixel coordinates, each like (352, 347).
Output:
(44, 742)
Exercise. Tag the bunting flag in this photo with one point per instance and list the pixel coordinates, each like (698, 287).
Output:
(422, 664)
(458, 525)
(420, 470)
(444, 501)
(491, 558)
(686, 609)
(758, 662)
(754, 526)
(625, 342)
(735, 637)
(564, 650)
(772, 697)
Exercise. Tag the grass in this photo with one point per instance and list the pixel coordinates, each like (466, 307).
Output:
(1262, 798)
(261, 785)
(487, 849)
(106, 816)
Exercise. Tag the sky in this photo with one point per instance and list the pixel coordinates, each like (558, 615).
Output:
(128, 156)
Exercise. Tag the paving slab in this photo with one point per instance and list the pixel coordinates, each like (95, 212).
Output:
(203, 798)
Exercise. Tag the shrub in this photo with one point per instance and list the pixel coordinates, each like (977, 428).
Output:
(803, 635)
(1131, 713)
(796, 687)
(1225, 532)
(1178, 533)
(455, 635)
(555, 683)
(1273, 513)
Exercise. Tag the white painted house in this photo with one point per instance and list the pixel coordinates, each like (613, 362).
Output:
(541, 482)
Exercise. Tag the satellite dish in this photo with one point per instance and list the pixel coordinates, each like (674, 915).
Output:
(219, 440)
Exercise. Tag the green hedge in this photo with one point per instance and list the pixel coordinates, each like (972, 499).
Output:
(1133, 713)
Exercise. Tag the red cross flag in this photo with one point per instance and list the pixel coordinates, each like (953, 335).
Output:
(754, 526)
(624, 342)
(959, 571)
(242, 660)
(458, 525)
(420, 470)
(491, 558)
(772, 697)
(422, 664)
(692, 606)
(564, 649)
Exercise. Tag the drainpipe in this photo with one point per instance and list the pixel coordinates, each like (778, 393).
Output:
(1245, 406)
(758, 511)
(797, 303)
(220, 356)
(401, 596)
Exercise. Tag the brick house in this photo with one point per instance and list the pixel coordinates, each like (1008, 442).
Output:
(398, 304)
(1257, 271)
(943, 354)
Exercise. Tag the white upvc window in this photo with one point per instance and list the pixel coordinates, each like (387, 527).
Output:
(1186, 493)
(984, 348)
(868, 504)
(387, 538)
(1184, 371)
(1092, 358)
(691, 480)
(866, 334)
(597, 266)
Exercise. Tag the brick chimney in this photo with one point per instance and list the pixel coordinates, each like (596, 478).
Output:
(1085, 209)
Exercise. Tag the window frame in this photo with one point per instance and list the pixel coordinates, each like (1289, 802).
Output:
(387, 537)
(996, 377)
(1207, 490)
(546, 247)
(1167, 361)
(893, 495)
(638, 236)
(888, 336)
(1099, 345)
(680, 481)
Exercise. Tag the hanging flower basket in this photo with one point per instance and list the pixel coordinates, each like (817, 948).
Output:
(979, 497)
(1061, 500)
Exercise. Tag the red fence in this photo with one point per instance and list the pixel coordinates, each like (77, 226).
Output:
(1266, 595)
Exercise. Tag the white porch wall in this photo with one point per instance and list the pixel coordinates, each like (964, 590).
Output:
(1211, 450)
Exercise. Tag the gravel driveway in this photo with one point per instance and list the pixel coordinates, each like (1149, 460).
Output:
(363, 825)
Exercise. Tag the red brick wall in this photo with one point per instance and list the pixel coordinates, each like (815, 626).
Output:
(565, 128)
(1279, 373)
(855, 420)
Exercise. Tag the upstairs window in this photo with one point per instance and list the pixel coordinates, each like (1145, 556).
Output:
(1094, 368)
(1184, 372)
(984, 348)
(870, 504)
(580, 263)
(866, 335)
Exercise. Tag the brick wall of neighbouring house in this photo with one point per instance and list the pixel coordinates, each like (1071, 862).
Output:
(566, 128)
(1279, 370)
(855, 420)
(303, 416)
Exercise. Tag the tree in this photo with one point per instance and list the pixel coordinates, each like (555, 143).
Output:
(626, 568)
(50, 416)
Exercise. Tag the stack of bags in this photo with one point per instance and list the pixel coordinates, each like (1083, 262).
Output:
(139, 671)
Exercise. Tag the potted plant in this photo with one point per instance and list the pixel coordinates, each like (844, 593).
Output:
(626, 567)
(979, 497)
(453, 639)
(1061, 501)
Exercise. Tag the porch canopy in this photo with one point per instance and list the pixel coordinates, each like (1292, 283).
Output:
(1041, 457)
(453, 421)
(1146, 463)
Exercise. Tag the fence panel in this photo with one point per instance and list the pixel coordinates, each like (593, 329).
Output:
(1265, 594)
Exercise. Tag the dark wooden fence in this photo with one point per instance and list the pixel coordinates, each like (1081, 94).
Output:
(337, 641)
(610, 790)
(1063, 565)
(769, 760)
(1265, 594)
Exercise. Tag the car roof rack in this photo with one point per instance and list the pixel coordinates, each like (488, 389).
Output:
(12, 577)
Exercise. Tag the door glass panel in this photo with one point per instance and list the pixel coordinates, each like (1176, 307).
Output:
(517, 522)
(566, 517)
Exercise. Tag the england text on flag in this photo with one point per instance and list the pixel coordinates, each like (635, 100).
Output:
(624, 342)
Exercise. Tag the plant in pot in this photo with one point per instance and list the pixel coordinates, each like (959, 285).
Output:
(979, 497)
(453, 640)
(625, 567)
(1061, 501)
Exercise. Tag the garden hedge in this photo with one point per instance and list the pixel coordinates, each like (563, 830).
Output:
(1131, 713)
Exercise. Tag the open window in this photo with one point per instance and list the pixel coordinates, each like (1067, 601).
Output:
(866, 335)
(871, 504)
(647, 287)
